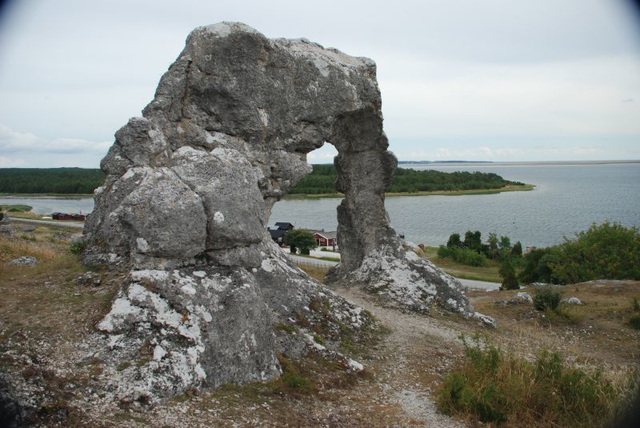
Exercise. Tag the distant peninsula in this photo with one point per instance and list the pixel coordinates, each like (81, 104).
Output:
(318, 184)
(407, 181)
(437, 162)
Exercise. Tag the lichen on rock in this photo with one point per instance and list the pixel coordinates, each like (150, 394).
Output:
(189, 190)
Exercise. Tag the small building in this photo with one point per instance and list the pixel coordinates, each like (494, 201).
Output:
(326, 239)
(65, 216)
(284, 226)
(277, 233)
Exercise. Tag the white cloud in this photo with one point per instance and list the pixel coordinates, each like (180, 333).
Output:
(463, 71)
(6, 162)
(324, 154)
(559, 99)
(15, 141)
(34, 151)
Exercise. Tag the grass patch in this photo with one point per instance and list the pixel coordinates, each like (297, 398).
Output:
(17, 208)
(487, 273)
(316, 272)
(634, 322)
(494, 386)
(547, 298)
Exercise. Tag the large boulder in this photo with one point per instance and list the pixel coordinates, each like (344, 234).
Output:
(189, 189)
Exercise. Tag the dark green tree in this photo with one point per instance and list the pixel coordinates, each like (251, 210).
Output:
(516, 250)
(493, 242)
(302, 239)
(508, 273)
(473, 241)
(454, 241)
(505, 243)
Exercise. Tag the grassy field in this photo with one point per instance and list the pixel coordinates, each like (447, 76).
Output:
(486, 273)
(46, 313)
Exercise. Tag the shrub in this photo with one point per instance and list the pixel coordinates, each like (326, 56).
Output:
(302, 239)
(546, 298)
(497, 387)
(634, 322)
(508, 273)
(463, 255)
(77, 247)
(606, 251)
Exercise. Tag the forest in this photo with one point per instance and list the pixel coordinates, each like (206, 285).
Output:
(405, 180)
(320, 181)
(68, 181)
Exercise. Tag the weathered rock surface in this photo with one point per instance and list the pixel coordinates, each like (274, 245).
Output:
(5, 224)
(24, 261)
(189, 191)
(573, 301)
(523, 297)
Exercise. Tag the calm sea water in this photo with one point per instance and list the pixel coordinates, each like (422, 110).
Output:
(568, 199)
(46, 206)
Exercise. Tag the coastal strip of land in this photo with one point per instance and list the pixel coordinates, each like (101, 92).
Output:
(508, 188)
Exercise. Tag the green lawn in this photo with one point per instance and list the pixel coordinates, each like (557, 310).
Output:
(487, 273)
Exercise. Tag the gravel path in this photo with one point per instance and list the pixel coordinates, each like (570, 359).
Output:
(403, 361)
(72, 225)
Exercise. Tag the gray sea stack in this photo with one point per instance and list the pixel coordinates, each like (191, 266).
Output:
(188, 193)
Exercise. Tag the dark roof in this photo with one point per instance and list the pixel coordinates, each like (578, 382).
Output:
(276, 233)
(285, 226)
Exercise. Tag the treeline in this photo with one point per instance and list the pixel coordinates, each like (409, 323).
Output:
(321, 180)
(50, 180)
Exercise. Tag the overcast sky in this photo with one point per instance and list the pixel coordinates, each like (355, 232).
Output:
(497, 80)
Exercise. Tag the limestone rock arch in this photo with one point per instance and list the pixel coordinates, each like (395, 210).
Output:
(189, 189)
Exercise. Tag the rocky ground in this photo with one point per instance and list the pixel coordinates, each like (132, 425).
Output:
(48, 312)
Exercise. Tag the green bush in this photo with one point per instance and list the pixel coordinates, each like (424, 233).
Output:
(508, 273)
(606, 251)
(634, 322)
(302, 239)
(546, 298)
(463, 255)
(77, 247)
(497, 387)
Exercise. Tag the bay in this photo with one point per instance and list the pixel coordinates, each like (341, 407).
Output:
(48, 205)
(567, 199)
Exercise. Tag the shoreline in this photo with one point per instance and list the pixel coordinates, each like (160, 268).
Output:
(46, 195)
(520, 163)
(511, 188)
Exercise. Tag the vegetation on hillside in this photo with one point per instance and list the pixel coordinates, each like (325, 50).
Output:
(473, 252)
(321, 180)
(497, 387)
(50, 180)
(605, 251)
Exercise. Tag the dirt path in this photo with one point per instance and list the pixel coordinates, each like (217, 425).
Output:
(417, 351)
